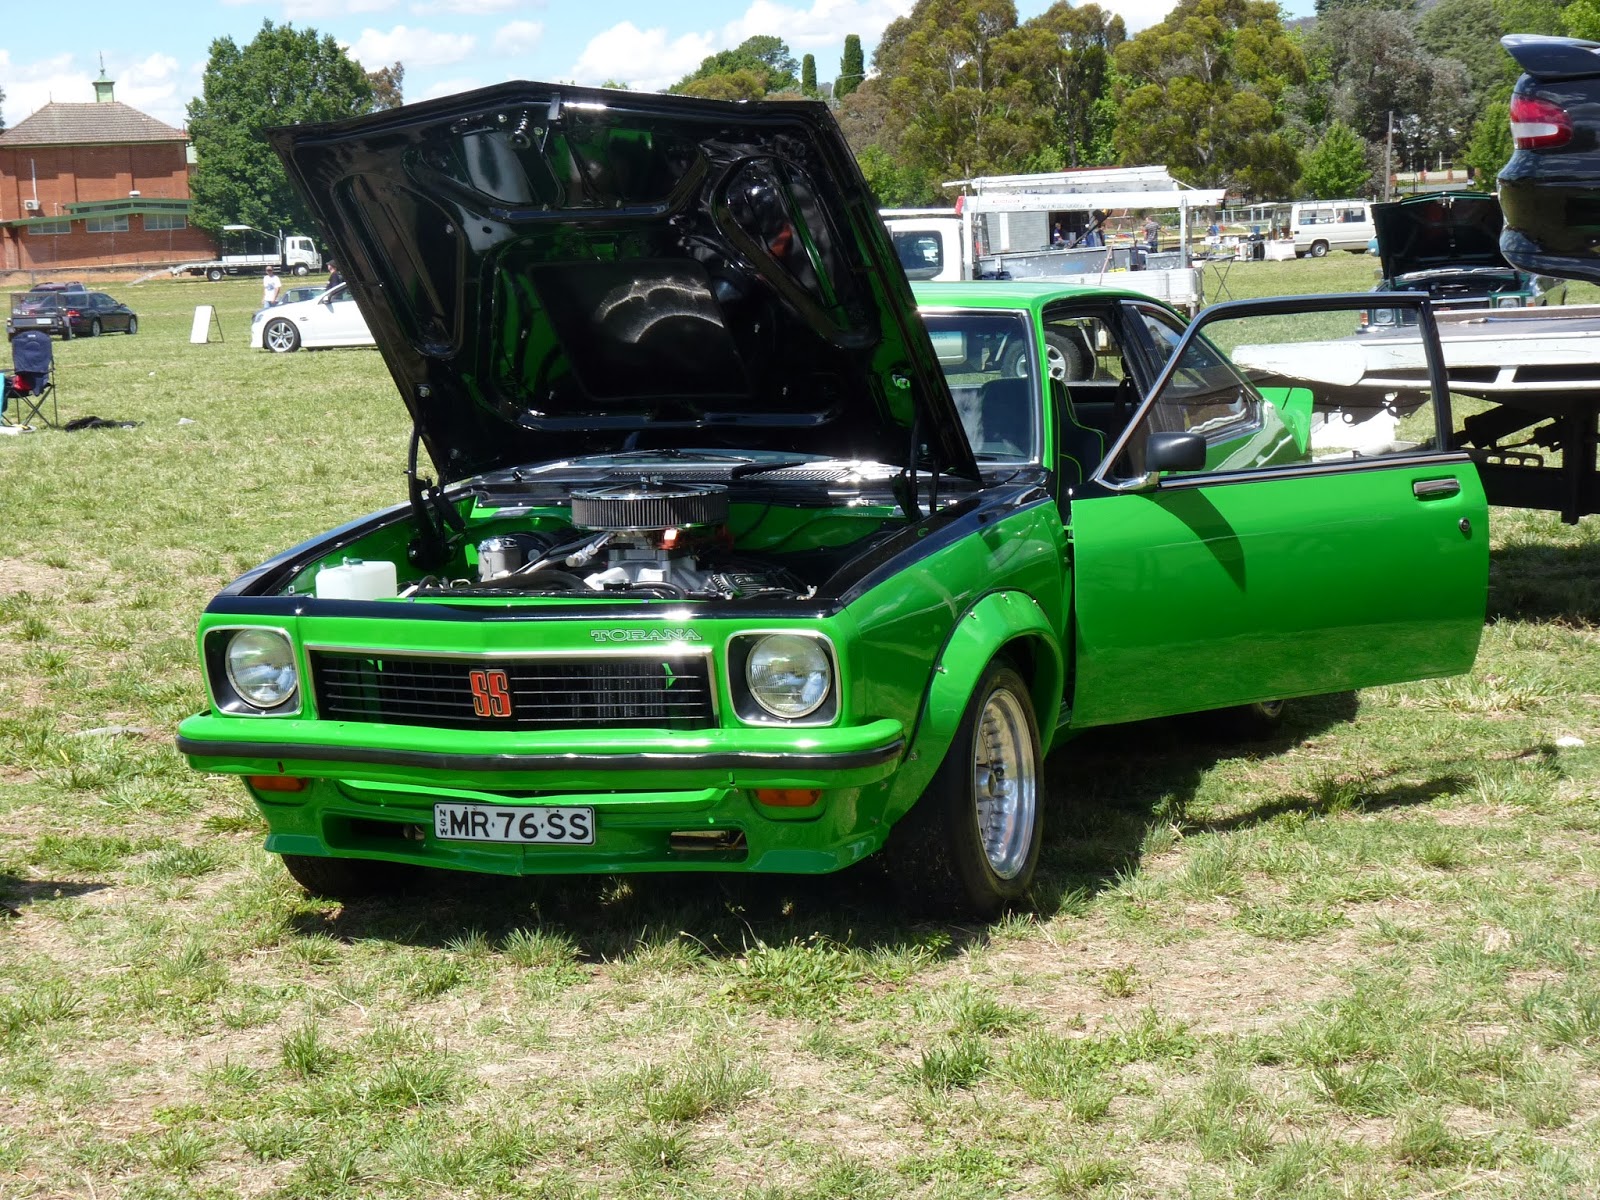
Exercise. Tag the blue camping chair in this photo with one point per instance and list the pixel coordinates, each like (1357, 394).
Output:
(30, 381)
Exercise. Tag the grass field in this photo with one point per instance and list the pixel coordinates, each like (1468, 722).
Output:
(1358, 961)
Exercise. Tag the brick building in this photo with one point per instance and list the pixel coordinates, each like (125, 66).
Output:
(95, 185)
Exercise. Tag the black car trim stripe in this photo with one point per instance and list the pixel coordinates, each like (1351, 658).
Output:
(423, 759)
(1343, 467)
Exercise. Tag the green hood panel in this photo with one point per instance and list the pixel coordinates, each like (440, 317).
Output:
(553, 271)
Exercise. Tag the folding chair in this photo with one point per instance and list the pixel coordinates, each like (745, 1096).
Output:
(30, 381)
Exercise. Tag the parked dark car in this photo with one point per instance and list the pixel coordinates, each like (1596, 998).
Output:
(1448, 245)
(38, 310)
(66, 313)
(98, 313)
(1550, 189)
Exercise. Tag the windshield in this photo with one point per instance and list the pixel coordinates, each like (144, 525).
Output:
(990, 363)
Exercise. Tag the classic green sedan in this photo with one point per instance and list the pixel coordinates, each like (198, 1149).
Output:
(734, 560)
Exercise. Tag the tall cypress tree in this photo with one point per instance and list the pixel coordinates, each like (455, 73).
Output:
(808, 75)
(852, 67)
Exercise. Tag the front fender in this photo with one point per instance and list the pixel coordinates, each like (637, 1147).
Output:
(1011, 622)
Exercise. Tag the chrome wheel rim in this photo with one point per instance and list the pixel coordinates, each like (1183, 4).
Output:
(280, 337)
(1004, 783)
(1055, 363)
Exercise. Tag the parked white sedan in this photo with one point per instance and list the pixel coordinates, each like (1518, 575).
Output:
(331, 319)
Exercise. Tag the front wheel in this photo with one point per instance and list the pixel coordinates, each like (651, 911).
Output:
(302, 269)
(348, 878)
(1319, 249)
(970, 845)
(214, 274)
(133, 324)
(94, 327)
(280, 337)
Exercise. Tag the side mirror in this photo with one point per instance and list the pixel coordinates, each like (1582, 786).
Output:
(1175, 452)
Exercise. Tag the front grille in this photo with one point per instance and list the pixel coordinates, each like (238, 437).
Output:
(544, 693)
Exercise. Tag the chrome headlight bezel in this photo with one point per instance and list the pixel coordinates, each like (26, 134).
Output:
(236, 695)
(752, 708)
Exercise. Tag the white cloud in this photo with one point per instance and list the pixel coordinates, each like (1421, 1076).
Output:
(644, 59)
(470, 8)
(517, 38)
(375, 48)
(1139, 14)
(152, 85)
(825, 23)
(323, 10)
(446, 87)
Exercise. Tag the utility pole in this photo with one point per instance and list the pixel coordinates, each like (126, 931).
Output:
(1388, 151)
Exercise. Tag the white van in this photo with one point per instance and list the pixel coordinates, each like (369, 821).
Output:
(1322, 225)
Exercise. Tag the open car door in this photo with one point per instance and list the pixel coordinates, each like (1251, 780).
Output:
(1268, 526)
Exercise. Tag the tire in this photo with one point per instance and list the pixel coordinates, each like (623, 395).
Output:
(133, 325)
(348, 878)
(970, 845)
(1247, 722)
(1065, 358)
(302, 269)
(280, 336)
(94, 328)
(214, 274)
(1319, 249)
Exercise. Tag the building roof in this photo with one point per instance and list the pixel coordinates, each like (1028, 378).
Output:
(109, 123)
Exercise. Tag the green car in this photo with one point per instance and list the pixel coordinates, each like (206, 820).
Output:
(734, 560)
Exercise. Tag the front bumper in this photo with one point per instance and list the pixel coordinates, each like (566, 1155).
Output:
(662, 801)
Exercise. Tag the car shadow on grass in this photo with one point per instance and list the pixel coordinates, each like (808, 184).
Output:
(1545, 581)
(18, 894)
(1107, 789)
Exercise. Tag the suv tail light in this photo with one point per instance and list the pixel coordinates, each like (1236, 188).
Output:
(1538, 124)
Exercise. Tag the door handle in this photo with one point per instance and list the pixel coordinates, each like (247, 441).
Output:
(1435, 489)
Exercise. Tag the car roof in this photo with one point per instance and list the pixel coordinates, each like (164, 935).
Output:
(1014, 293)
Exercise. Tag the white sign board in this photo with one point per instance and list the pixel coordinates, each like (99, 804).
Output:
(200, 331)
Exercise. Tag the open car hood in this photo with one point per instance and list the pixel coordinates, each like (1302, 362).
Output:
(1440, 229)
(552, 271)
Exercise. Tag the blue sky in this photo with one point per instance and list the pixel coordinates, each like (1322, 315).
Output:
(157, 52)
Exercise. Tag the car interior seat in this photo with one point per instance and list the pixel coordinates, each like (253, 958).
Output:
(1081, 446)
(1005, 419)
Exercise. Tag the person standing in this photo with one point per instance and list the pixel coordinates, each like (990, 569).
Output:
(334, 278)
(270, 286)
(1152, 233)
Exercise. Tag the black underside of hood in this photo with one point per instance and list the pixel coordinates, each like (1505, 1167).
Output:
(1441, 229)
(554, 271)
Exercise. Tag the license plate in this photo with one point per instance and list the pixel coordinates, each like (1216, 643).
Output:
(504, 823)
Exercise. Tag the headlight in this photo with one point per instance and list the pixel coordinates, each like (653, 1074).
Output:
(789, 676)
(260, 666)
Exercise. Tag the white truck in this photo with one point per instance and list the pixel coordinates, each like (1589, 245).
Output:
(1002, 228)
(291, 253)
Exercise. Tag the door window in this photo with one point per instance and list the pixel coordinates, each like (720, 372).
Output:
(1289, 390)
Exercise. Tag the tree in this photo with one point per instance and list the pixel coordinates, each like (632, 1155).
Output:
(1336, 165)
(283, 77)
(808, 75)
(1490, 147)
(762, 62)
(956, 80)
(852, 67)
(1202, 91)
(1067, 53)
(386, 87)
(1369, 64)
